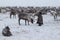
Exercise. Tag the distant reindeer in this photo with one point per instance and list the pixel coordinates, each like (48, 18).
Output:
(13, 12)
(55, 14)
(26, 17)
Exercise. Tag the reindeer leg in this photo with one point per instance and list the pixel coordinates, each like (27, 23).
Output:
(25, 22)
(55, 17)
(10, 15)
(28, 22)
(13, 16)
(19, 21)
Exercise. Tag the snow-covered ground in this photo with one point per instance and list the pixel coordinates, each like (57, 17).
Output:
(50, 30)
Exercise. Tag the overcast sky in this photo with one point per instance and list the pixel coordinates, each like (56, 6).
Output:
(29, 2)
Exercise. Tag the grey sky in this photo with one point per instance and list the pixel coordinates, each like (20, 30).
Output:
(29, 2)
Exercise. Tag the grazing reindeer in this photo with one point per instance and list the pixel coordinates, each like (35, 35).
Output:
(26, 17)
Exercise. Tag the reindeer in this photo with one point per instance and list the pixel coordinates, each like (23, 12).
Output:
(13, 12)
(26, 17)
(55, 13)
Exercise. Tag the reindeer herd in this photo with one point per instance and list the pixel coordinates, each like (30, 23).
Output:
(29, 13)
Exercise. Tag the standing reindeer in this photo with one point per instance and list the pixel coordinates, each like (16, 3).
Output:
(55, 14)
(13, 12)
(26, 17)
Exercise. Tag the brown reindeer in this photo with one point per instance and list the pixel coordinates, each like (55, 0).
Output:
(26, 17)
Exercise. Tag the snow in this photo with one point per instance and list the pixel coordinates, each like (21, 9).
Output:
(50, 30)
